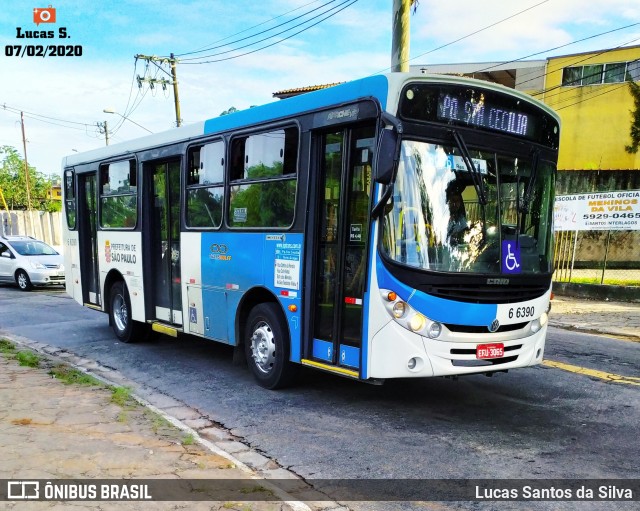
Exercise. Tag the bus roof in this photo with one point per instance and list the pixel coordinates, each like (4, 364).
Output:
(380, 87)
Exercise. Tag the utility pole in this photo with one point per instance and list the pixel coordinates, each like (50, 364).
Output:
(172, 61)
(26, 164)
(400, 35)
(102, 127)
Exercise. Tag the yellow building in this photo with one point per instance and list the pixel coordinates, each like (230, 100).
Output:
(589, 92)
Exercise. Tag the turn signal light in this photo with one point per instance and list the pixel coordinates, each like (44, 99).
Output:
(292, 308)
(392, 296)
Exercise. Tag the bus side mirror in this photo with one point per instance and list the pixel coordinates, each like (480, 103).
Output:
(388, 149)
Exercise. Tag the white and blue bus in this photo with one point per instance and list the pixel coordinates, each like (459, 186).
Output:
(392, 227)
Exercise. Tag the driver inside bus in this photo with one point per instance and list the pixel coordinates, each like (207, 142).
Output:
(458, 222)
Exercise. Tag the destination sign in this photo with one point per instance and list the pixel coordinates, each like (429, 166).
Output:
(481, 114)
(479, 108)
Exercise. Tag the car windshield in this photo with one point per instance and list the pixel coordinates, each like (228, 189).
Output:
(495, 219)
(32, 248)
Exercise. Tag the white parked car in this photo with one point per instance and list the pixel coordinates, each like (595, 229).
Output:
(29, 262)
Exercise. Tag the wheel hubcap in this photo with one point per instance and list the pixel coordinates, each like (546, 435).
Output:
(22, 280)
(120, 312)
(263, 347)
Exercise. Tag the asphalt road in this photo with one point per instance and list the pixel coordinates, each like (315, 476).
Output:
(537, 422)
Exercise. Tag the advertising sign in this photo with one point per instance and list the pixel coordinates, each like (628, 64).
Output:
(607, 211)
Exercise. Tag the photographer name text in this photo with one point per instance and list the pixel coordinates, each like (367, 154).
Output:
(42, 50)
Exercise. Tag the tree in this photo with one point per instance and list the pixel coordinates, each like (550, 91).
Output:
(634, 88)
(13, 183)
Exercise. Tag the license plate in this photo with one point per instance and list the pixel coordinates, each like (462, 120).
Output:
(490, 350)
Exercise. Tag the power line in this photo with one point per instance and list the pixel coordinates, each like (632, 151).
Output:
(335, 10)
(254, 35)
(204, 48)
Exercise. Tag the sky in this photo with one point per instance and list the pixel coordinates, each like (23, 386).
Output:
(63, 97)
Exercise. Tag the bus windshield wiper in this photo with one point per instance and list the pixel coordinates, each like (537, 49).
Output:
(528, 192)
(471, 168)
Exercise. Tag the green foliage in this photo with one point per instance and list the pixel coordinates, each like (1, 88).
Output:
(7, 347)
(634, 88)
(122, 397)
(28, 358)
(13, 183)
(230, 111)
(69, 375)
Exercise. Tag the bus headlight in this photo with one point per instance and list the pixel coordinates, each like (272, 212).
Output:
(417, 322)
(435, 329)
(537, 324)
(398, 310)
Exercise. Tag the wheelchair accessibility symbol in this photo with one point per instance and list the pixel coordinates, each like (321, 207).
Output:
(510, 257)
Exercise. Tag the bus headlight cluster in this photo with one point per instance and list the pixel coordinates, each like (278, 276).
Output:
(537, 324)
(408, 317)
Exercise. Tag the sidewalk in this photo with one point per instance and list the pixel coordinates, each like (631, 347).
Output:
(616, 319)
(50, 430)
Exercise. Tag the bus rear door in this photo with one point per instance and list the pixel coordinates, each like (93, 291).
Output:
(164, 239)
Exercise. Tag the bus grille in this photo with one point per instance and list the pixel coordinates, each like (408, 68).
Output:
(473, 329)
(486, 294)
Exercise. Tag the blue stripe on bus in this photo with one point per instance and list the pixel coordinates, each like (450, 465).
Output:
(376, 86)
(233, 263)
(438, 309)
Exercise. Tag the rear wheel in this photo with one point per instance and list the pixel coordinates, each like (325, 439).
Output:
(125, 328)
(267, 347)
(23, 280)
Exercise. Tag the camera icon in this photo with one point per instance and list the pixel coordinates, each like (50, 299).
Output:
(44, 15)
(22, 490)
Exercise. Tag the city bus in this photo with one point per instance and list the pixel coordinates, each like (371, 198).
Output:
(396, 226)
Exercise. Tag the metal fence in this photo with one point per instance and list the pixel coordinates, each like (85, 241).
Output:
(598, 257)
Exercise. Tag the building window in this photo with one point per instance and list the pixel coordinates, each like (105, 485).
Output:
(205, 185)
(592, 75)
(118, 195)
(614, 73)
(571, 76)
(263, 175)
(596, 74)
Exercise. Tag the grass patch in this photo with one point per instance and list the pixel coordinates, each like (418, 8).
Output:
(28, 358)
(158, 422)
(7, 347)
(257, 489)
(69, 376)
(122, 397)
(607, 282)
(188, 439)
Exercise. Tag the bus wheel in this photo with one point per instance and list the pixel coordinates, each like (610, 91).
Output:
(123, 326)
(267, 347)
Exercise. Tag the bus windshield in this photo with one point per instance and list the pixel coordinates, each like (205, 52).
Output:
(436, 221)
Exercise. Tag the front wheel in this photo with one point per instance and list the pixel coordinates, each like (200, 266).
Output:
(267, 347)
(23, 280)
(125, 328)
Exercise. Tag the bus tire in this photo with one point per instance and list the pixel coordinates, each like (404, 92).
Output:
(267, 347)
(125, 328)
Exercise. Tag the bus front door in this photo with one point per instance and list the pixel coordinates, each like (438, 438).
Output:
(341, 240)
(165, 241)
(88, 238)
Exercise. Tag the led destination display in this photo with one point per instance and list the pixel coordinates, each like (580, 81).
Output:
(479, 108)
